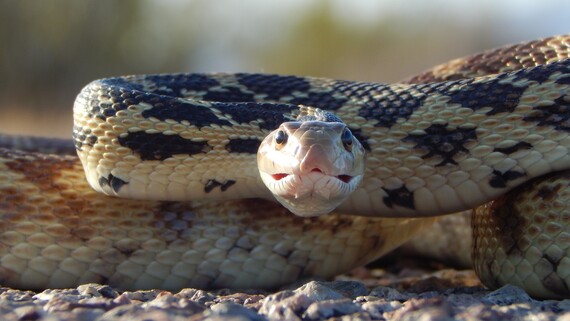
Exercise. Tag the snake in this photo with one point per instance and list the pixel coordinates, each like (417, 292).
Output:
(165, 190)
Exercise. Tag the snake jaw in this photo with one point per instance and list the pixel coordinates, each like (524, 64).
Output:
(308, 168)
(309, 195)
(343, 178)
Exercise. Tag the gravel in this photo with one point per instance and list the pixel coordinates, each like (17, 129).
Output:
(364, 294)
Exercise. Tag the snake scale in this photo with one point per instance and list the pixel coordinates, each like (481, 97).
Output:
(490, 129)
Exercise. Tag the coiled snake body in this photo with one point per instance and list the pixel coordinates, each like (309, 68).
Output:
(443, 141)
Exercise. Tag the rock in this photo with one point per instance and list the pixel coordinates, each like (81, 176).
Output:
(388, 294)
(507, 295)
(319, 291)
(435, 309)
(331, 308)
(349, 289)
(376, 309)
(285, 305)
(455, 296)
(234, 311)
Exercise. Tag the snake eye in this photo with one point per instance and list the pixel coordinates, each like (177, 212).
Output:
(346, 139)
(280, 137)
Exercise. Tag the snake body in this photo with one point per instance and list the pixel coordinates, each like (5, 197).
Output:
(452, 138)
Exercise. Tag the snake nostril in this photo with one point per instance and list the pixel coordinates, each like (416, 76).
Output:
(344, 178)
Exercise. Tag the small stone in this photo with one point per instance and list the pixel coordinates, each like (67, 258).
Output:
(122, 299)
(137, 313)
(319, 291)
(435, 309)
(389, 294)
(376, 309)
(564, 317)
(349, 289)
(83, 314)
(482, 312)
(366, 298)
(29, 312)
(46, 295)
(88, 290)
(16, 295)
(108, 292)
(284, 305)
(331, 308)
(233, 311)
(164, 300)
(186, 293)
(239, 298)
(507, 295)
(142, 296)
(359, 316)
(203, 297)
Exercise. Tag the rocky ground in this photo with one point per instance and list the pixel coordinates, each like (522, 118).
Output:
(395, 293)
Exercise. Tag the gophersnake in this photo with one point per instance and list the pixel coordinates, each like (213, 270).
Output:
(444, 141)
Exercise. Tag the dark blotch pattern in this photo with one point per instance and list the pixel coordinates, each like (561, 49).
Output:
(393, 105)
(159, 146)
(399, 196)
(165, 84)
(178, 110)
(119, 93)
(269, 115)
(557, 115)
(83, 137)
(228, 94)
(516, 147)
(211, 184)
(273, 86)
(174, 84)
(324, 100)
(440, 141)
(542, 73)
(120, 99)
(112, 181)
(564, 80)
(500, 180)
(320, 100)
(248, 146)
(501, 97)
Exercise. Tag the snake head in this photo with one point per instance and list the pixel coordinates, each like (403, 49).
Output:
(311, 167)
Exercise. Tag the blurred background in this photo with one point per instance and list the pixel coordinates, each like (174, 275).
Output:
(51, 48)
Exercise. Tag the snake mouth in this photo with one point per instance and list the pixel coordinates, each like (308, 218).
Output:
(279, 176)
(344, 178)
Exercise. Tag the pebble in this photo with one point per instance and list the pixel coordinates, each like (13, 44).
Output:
(331, 308)
(420, 295)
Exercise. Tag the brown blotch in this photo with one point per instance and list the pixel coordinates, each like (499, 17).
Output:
(42, 170)
(548, 193)
(497, 60)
